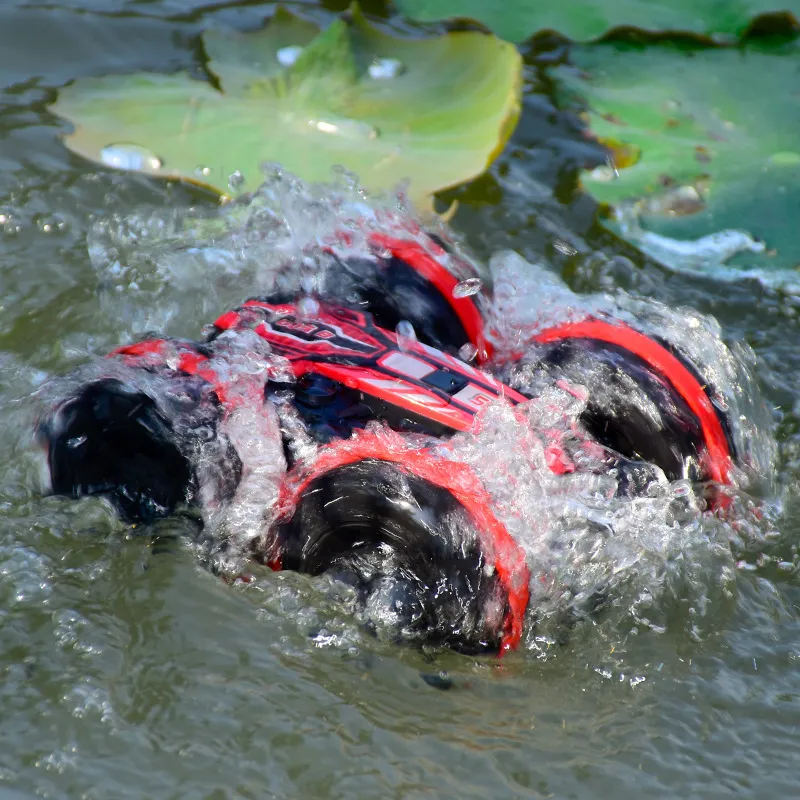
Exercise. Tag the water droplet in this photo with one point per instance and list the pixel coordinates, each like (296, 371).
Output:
(308, 307)
(202, 172)
(467, 352)
(386, 68)
(346, 128)
(564, 247)
(406, 335)
(287, 56)
(235, 180)
(606, 173)
(678, 201)
(467, 288)
(76, 442)
(130, 156)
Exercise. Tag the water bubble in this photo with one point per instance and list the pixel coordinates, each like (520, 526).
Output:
(308, 307)
(386, 68)
(130, 156)
(467, 352)
(406, 335)
(52, 224)
(467, 288)
(9, 226)
(287, 56)
(235, 180)
(202, 172)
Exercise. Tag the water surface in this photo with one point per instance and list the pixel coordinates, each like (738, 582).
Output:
(129, 671)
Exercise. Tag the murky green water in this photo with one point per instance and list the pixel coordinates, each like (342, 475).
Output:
(128, 671)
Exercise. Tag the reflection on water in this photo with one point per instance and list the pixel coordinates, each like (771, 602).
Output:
(129, 670)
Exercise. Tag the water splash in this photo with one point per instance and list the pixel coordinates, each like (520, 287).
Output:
(648, 562)
(467, 288)
(529, 298)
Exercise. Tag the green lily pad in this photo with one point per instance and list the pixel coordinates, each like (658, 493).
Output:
(432, 111)
(702, 141)
(583, 20)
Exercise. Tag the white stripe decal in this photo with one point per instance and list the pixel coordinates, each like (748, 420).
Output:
(405, 364)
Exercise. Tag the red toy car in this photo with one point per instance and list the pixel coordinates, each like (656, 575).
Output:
(368, 381)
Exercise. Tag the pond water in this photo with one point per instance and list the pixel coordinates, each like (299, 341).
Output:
(127, 670)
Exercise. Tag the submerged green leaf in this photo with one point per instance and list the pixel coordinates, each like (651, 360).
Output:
(310, 100)
(716, 134)
(583, 20)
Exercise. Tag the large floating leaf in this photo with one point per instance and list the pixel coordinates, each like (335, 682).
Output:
(435, 111)
(582, 20)
(705, 140)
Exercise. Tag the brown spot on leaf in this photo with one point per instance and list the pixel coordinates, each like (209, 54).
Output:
(622, 154)
(702, 154)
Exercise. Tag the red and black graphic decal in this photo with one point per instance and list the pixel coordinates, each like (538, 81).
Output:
(346, 347)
